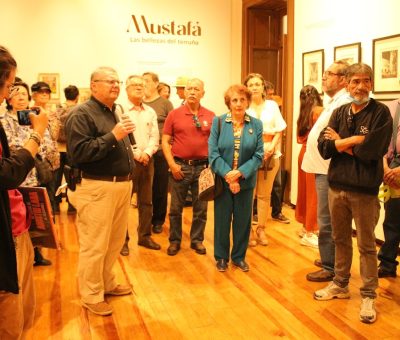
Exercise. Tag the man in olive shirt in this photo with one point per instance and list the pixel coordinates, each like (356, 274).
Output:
(97, 144)
(162, 107)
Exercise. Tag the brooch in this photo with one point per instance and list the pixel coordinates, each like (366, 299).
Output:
(251, 131)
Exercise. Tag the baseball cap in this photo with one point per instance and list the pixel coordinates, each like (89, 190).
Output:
(181, 81)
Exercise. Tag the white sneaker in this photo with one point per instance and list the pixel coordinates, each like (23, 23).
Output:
(332, 291)
(309, 240)
(367, 310)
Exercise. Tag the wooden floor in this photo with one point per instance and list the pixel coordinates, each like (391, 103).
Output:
(185, 297)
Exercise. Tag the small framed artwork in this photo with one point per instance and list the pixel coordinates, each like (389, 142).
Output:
(313, 68)
(53, 79)
(385, 61)
(350, 53)
(84, 94)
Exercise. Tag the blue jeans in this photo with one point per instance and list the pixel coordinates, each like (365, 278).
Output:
(391, 229)
(325, 241)
(179, 190)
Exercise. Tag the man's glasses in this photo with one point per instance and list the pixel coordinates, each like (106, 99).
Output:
(330, 74)
(196, 121)
(109, 82)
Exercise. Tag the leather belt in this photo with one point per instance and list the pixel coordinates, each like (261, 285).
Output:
(107, 178)
(192, 161)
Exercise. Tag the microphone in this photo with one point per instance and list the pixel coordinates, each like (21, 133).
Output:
(130, 135)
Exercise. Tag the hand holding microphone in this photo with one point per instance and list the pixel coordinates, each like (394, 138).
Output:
(123, 128)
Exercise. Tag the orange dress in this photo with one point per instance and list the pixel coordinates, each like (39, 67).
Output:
(306, 204)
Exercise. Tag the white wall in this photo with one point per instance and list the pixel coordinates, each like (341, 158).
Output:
(322, 24)
(73, 37)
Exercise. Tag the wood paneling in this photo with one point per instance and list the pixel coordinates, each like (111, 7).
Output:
(185, 297)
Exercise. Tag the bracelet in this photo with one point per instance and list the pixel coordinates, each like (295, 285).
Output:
(35, 136)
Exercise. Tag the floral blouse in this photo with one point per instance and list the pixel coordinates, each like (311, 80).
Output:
(18, 135)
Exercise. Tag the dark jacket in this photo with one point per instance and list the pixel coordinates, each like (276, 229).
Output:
(13, 170)
(362, 172)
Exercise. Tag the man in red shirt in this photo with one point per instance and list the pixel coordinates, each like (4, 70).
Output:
(188, 129)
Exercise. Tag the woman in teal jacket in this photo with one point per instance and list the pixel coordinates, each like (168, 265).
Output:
(235, 152)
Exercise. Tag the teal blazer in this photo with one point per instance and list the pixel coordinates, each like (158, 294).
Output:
(251, 152)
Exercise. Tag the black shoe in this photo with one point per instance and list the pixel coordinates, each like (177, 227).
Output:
(149, 243)
(39, 259)
(199, 248)
(125, 249)
(321, 275)
(222, 265)
(385, 273)
(242, 265)
(281, 218)
(157, 229)
(71, 210)
(173, 249)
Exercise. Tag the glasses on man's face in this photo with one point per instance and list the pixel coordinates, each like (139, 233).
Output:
(109, 82)
(136, 85)
(331, 74)
(196, 121)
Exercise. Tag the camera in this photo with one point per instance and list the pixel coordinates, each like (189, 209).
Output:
(23, 115)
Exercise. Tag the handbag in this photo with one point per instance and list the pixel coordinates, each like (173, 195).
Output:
(44, 172)
(395, 162)
(210, 185)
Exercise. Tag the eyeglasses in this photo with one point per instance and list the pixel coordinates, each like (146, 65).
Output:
(136, 85)
(330, 74)
(109, 82)
(196, 121)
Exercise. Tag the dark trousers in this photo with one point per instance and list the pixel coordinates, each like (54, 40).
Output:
(230, 208)
(59, 173)
(391, 229)
(160, 188)
(276, 194)
(142, 182)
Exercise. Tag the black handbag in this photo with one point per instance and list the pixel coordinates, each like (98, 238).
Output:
(44, 171)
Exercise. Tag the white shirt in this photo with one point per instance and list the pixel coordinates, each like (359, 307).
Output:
(146, 132)
(272, 121)
(312, 161)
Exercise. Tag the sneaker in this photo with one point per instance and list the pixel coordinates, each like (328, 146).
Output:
(309, 240)
(120, 290)
(332, 291)
(255, 219)
(100, 308)
(281, 218)
(367, 310)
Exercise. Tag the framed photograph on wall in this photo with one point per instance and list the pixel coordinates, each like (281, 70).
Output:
(84, 94)
(385, 63)
(313, 68)
(53, 79)
(350, 53)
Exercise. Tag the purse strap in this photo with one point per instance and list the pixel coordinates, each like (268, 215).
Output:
(395, 128)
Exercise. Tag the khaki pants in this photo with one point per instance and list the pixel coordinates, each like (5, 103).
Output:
(263, 193)
(102, 223)
(17, 311)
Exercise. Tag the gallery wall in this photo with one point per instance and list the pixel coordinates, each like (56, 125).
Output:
(323, 24)
(172, 38)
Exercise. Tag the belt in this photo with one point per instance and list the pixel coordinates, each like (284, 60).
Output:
(192, 161)
(107, 178)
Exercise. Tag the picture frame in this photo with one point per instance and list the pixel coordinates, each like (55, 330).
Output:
(385, 64)
(350, 53)
(53, 79)
(84, 94)
(313, 68)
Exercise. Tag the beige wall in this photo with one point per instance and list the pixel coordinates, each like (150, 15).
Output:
(72, 37)
(322, 24)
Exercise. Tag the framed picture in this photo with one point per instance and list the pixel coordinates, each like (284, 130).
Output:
(84, 94)
(313, 68)
(350, 53)
(385, 61)
(53, 79)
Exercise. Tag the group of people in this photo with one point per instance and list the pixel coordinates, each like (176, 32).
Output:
(149, 148)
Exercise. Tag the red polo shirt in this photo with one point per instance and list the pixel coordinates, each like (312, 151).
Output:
(190, 137)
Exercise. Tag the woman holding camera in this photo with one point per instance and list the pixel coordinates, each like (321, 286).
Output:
(17, 135)
(17, 298)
